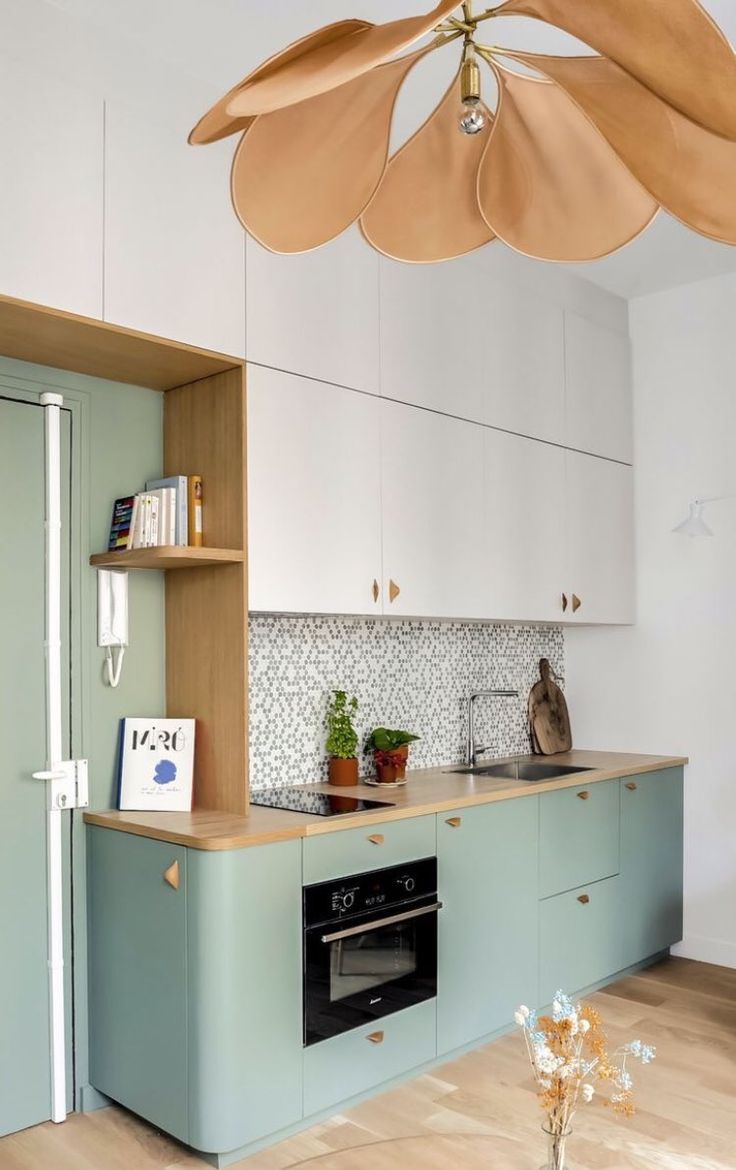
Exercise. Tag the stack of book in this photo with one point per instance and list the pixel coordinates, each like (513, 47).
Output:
(168, 512)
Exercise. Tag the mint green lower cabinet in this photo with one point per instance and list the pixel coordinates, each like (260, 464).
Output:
(195, 1007)
(346, 1065)
(138, 976)
(488, 946)
(580, 938)
(651, 862)
(579, 831)
(245, 994)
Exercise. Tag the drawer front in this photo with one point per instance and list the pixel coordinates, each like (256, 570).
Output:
(334, 855)
(579, 836)
(346, 1065)
(580, 938)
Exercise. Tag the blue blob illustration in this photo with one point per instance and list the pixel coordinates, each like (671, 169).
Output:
(165, 772)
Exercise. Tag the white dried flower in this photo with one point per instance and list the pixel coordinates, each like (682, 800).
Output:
(524, 1010)
(520, 1018)
(585, 1025)
(588, 1093)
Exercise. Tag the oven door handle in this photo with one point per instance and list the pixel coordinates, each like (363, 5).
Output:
(405, 917)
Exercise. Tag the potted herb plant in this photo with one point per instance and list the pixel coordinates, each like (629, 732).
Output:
(342, 739)
(390, 752)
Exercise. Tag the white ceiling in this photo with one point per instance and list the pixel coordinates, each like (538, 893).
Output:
(219, 41)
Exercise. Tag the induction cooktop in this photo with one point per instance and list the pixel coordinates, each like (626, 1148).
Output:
(301, 798)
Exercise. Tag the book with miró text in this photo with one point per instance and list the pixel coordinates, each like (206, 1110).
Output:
(156, 764)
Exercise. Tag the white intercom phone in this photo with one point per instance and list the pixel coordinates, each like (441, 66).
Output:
(112, 620)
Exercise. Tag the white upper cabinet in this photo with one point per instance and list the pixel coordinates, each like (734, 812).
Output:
(600, 524)
(174, 250)
(314, 497)
(525, 533)
(458, 341)
(599, 398)
(432, 497)
(51, 191)
(316, 313)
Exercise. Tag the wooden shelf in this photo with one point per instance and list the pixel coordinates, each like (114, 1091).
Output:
(52, 337)
(167, 557)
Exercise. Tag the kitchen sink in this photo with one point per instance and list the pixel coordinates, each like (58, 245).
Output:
(519, 770)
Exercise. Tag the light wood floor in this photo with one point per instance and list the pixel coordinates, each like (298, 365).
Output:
(479, 1112)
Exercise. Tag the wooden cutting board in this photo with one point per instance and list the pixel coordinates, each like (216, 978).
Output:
(549, 721)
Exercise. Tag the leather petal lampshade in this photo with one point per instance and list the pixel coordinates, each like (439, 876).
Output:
(572, 164)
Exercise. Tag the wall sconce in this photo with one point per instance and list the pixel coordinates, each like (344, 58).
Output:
(694, 524)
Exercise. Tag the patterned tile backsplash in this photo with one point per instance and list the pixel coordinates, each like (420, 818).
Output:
(416, 675)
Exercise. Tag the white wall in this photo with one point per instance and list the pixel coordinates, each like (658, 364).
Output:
(668, 685)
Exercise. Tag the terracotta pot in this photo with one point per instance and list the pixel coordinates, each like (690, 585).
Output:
(403, 753)
(343, 772)
(386, 773)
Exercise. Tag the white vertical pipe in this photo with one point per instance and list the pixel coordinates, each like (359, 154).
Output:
(52, 404)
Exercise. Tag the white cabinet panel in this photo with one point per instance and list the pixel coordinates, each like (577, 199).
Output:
(174, 251)
(524, 528)
(314, 499)
(599, 400)
(51, 193)
(316, 313)
(456, 340)
(600, 518)
(432, 493)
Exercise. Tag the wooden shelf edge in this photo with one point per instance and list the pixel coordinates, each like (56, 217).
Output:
(167, 557)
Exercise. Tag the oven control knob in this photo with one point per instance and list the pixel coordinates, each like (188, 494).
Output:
(348, 900)
(408, 883)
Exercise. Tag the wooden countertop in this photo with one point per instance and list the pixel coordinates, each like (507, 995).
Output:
(428, 790)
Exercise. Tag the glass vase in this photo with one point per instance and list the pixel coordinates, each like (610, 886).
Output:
(556, 1149)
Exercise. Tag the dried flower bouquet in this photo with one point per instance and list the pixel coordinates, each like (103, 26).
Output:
(569, 1056)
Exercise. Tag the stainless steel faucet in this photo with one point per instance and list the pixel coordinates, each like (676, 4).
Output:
(473, 751)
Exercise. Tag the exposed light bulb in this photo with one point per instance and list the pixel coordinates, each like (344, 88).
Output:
(472, 116)
(472, 119)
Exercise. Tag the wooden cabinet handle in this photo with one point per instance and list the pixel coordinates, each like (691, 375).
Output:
(171, 875)
(631, 786)
(564, 602)
(376, 590)
(454, 821)
(584, 898)
(393, 590)
(376, 839)
(375, 1037)
(584, 794)
(576, 603)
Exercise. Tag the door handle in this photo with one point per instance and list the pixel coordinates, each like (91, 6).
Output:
(171, 875)
(392, 920)
(631, 786)
(584, 794)
(576, 603)
(376, 590)
(584, 898)
(377, 839)
(454, 822)
(564, 602)
(375, 1037)
(393, 590)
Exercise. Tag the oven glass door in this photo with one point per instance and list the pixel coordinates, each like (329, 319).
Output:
(361, 969)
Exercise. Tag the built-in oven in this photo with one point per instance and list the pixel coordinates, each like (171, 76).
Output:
(370, 947)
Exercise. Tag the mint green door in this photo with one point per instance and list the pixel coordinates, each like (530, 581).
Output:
(488, 927)
(651, 862)
(25, 1085)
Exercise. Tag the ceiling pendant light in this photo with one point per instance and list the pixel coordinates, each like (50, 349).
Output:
(572, 164)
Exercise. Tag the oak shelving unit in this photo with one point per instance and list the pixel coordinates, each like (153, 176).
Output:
(206, 587)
